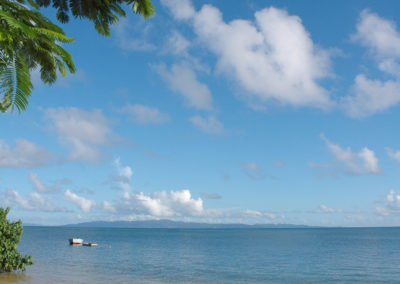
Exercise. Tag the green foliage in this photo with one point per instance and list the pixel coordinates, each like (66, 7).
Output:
(10, 235)
(28, 40)
(101, 13)
(15, 83)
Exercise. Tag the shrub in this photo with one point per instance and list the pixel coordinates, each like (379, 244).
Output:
(10, 235)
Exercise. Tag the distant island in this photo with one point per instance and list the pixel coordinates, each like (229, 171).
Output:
(169, 224)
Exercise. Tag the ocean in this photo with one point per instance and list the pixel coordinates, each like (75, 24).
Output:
(312, 255)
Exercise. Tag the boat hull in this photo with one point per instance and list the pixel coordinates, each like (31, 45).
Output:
(75, 241)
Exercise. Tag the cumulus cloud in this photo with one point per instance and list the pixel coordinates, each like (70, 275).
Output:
(371, 96)
(180, 205)
(183, 80)
(142, 114)
(25, 154)
(209, 124)
(273, 57)
(83, 203)
(180, 9)
(378, 34)
(40, 187)
(395, 155)
(381, 38)
(390, 205)
(164, 204)
(83, 131)
(363, 162)
(33, 202)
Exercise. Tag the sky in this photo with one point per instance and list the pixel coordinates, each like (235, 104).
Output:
(216, 111)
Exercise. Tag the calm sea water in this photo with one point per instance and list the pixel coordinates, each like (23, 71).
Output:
(211, 256)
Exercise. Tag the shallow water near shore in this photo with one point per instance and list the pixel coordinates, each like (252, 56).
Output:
(210, 256)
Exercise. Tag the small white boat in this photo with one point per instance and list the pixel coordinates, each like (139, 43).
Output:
(75, 241)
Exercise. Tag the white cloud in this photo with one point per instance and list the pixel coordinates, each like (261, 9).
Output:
(209, 125)
(34, 202)
(81, 130)
(84, 204)
(325, 209)
(144, 114)
(378, 34)
(182, 79)
(363, 162)
(393, 198)
(395, 155)
(13, 196)
(273, 58)
(108, 207)
(180, 205)
(25, 154)
(139, 41)
(164, 204)
(40, 187)
(254, 171)
(382, 40)
(180, 9)
(371, 96)
(124, 175)
(247, 214)
(382, 211)
(178, 44)
(390, 205)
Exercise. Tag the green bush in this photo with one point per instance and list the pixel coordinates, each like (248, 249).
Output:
(10, 235)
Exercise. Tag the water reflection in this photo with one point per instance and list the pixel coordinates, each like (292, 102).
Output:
(13, 278)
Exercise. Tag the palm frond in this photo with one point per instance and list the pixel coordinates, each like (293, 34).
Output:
(28, 40)
(144, 8)
(58, 36)
(15, 84)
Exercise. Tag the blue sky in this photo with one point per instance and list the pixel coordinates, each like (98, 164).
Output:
(217, 111)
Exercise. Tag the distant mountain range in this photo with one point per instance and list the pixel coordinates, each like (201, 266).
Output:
(31, 225)
(168, 224)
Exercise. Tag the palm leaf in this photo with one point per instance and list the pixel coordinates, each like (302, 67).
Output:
(15, 84)
(28, 40)
(143, 7)
(58, 36)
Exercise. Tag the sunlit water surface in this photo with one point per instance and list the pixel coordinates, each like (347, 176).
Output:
(211, 256)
